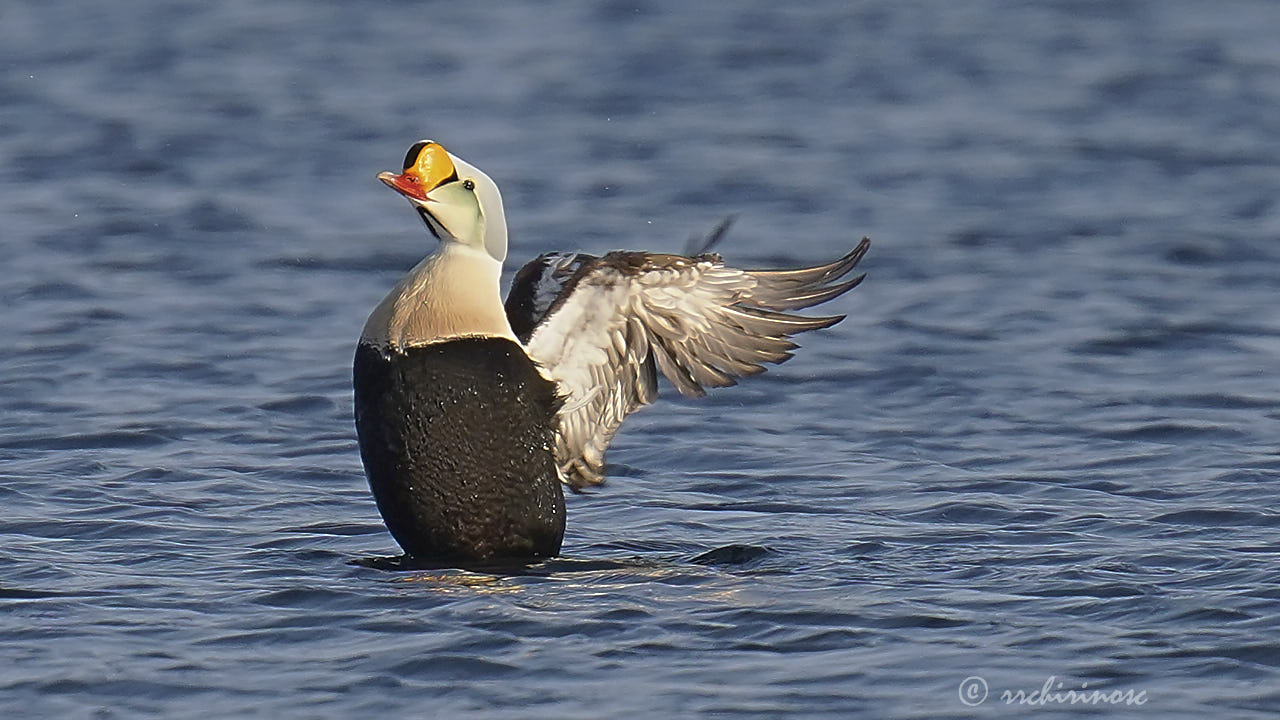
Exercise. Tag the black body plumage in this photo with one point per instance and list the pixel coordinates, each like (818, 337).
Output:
(457, 439)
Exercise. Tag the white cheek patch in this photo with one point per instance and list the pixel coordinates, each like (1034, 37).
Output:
(493, 219)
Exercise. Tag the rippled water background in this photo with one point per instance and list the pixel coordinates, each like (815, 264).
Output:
(1043, 445)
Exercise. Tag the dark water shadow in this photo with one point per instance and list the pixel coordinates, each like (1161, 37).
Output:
(737, 556)
(11, 593)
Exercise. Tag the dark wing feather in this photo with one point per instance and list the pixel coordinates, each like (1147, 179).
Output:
(617, 317)
(538, 286)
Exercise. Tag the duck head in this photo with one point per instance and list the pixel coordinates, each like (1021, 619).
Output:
(458, 202)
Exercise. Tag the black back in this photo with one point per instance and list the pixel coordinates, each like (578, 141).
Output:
(456, 439)
(519, 306)
(562, 270)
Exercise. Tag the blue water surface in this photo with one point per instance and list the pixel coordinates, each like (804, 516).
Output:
(1041, 450)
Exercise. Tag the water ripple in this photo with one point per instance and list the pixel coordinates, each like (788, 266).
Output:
(1043, 443)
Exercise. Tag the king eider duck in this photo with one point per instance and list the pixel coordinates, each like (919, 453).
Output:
(471, 414)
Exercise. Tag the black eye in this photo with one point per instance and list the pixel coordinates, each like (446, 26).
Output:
(469, 185)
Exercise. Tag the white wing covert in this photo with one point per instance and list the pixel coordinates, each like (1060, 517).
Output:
(601, 326)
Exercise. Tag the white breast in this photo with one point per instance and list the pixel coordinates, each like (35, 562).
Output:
(452, 293)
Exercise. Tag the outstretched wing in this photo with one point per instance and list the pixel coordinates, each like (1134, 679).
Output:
(600, 327)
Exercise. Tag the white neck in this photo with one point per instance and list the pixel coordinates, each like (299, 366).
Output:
(452, 293)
